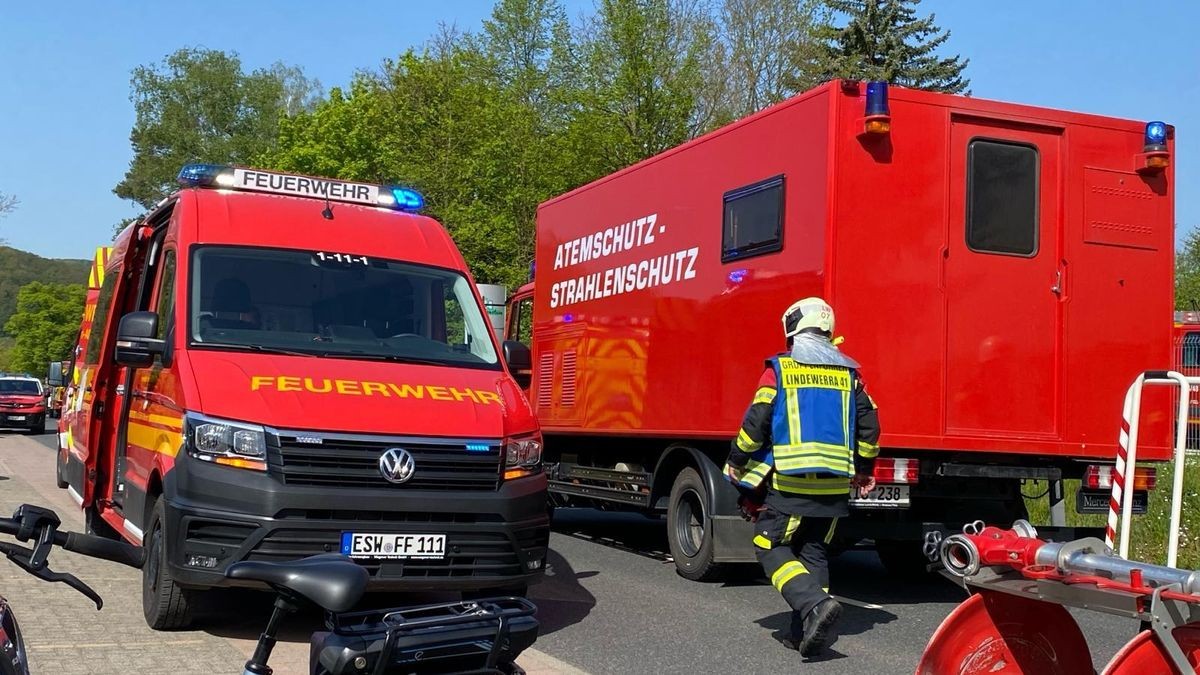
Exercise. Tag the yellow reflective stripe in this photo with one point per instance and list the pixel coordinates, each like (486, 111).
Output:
(790, 570)
(834, 485)
(793, 417)
(872, 401)
(867, 450)
(825, 588)
(813, 462)
(829, 535)
(745, 443)
(762, 542)
(764, 395)
(847, 419)
(793, 524)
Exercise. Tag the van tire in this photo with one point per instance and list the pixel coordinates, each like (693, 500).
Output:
(689, 528)
(59, 480)
(165, 605)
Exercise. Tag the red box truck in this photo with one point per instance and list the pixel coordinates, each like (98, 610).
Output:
(1002, 272)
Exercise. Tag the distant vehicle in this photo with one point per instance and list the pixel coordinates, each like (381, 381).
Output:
(22, 403)
(56, 387)
(1001, 271)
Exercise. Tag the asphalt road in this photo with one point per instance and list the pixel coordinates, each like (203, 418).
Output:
(612, 603)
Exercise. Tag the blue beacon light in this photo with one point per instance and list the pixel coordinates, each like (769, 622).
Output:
(408, 199)
(1154, 148)
(1156, 136)
(878, 118)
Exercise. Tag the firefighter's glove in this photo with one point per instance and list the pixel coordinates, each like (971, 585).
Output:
(864, 483)
(750, 508)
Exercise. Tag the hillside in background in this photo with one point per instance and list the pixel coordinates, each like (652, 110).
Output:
(18, 268)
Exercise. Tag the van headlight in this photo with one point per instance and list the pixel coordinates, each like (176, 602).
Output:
(522, 456)
(237, 444)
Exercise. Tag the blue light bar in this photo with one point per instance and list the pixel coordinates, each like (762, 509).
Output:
(202, 175)
(408, 199)
(1156, 135)
(478, 447)
(877, 99)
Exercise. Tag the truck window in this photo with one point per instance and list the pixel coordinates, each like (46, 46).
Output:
(1002, 197)
(100, 318)
(165, 294)
(521, 322)
(753, 221)
(335, 304)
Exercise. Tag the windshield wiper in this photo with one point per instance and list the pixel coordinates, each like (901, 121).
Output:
(259, 348)
(371, 356)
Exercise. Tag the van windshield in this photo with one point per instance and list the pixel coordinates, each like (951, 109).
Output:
(14, 386)
(327, 303)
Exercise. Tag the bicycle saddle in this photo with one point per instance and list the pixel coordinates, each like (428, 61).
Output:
(330, 581)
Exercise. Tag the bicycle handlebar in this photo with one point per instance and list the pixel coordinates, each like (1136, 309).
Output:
(84, 544)
(107, 549)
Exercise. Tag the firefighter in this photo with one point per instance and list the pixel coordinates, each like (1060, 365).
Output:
(810, 435)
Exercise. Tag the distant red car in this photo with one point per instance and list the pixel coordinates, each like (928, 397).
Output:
(22, 403)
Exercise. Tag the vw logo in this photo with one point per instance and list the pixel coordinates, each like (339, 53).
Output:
(396, 465)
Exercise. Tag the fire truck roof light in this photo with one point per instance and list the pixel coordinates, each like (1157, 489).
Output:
(877, 99)
(1156, 133)
(254, 180)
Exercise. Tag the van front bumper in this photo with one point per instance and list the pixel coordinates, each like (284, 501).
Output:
(216, 516)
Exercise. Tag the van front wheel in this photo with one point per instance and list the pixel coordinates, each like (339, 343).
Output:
(689, 528)
(165, 605)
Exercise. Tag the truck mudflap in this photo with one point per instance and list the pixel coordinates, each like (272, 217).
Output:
(493, 539)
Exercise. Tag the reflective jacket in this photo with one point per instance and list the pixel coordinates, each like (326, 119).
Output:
(809, 428)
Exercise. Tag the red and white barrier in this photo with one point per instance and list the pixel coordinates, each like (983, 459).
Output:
(1121, 500)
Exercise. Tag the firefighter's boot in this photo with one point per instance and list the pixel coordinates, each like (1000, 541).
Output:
(818, 627)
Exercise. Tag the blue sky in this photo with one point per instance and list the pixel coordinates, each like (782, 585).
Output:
(65, 113)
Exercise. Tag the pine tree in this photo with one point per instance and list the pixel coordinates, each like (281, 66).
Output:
(885, 40)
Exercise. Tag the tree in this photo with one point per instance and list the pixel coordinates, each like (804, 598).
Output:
(199, 106)
(641, 79)
(885, 40)
(45, 324)
(767, 48)
(7, 203)
(1187, 273)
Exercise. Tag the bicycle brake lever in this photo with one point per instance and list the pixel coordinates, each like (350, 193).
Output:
(23, 557)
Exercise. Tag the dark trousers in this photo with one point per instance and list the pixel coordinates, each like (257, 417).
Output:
(793, 552)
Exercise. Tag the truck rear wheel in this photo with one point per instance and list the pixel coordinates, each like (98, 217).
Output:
(689, 528)
(165, 605)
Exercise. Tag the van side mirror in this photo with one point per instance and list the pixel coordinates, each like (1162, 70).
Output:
(54, 377)
(520, 362)
(136, 344)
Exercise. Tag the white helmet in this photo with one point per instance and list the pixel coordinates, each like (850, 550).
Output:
(808, 313)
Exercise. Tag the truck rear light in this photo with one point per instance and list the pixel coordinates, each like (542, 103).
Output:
(1100, 477)
(895, 470)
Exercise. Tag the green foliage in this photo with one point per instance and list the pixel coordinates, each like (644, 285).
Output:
(1187, 273)
(18, 268)
(44, 325)
(199, 106)
(885, 40)
(6, 345)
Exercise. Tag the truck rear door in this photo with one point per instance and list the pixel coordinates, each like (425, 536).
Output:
(1003, 278)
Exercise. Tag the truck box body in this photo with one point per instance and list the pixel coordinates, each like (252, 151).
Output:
(1002, 272)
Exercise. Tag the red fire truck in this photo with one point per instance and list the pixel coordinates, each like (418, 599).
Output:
(276, 366)
(1001, 271)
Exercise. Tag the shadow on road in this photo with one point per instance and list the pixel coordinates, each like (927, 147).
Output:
(561, 600)
(631, 532)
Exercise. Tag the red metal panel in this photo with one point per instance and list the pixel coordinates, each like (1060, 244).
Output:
(702, 336)
(1002, 316)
